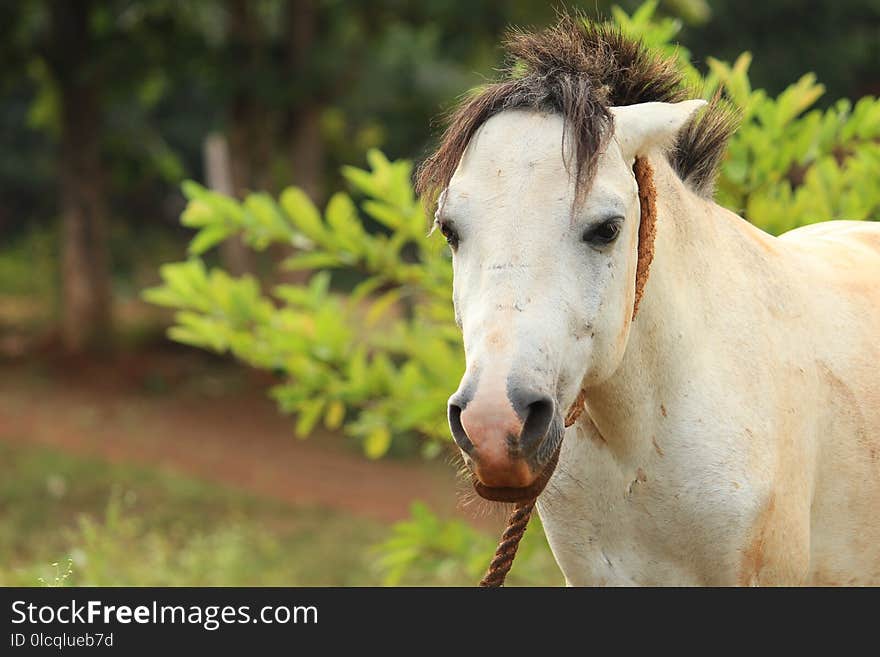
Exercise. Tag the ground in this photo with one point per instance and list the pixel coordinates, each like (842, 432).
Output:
(211, 421)
(172, 469)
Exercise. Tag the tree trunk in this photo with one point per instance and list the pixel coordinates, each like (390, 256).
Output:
(301, 127)
(85, 276)
(234, 254)
(246, 124)
(307, 152)
(306, 145)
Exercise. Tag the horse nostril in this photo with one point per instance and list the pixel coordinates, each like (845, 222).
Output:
(458, 432)
(538, 416)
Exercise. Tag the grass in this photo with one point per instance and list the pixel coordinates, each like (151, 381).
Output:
(67, 520)
(124, 525)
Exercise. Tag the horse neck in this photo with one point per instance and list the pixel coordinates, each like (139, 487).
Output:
(702, 253)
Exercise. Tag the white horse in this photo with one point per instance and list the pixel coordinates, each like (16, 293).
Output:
(731, 430)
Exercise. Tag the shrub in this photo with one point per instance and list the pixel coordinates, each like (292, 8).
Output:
(379, 360)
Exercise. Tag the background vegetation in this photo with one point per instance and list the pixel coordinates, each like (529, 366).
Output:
(307, 253)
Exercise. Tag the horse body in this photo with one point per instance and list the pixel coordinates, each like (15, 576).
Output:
(731, 423)
(739, 440)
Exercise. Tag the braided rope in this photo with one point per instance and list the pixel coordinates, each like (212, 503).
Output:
(522, 512)
(505, 553)
(506, 550)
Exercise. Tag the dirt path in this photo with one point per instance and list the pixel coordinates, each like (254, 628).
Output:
(236, 438)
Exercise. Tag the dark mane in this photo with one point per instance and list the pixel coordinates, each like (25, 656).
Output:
(579, 69)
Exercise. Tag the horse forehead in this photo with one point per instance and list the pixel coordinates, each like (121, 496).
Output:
(515, 154)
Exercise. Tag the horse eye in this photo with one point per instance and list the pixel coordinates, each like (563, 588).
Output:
(450, 235)
(604, 233)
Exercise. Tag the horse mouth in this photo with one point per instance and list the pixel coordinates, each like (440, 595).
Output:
(519, 494)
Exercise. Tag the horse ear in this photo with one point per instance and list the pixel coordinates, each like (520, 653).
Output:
(644, 126)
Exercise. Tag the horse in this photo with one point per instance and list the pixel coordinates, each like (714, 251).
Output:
(728, 379)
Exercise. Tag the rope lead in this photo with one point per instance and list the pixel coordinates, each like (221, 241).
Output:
(519, 519)
(506, 550)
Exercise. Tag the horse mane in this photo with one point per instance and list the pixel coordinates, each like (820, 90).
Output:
(580, 69)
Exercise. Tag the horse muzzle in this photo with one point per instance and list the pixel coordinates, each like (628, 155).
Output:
(509, 442)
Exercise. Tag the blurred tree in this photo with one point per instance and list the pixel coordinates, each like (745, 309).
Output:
(89, 69)
(70, 55)
(839, 40)
(304, 122)
(296, 87)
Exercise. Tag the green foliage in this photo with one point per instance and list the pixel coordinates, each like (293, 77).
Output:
(789, 165)
(72, 521)
(835, 39)
(378, 361)
(429, 550)
(28, 265)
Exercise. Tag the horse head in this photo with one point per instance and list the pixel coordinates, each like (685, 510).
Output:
(545, 266)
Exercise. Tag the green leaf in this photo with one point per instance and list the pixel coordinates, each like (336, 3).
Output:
(362, 180)
(192, 190)
(198, 214)
(343, 219)
(384, 213)
(303, 213)
(317, 260)
(309, 413)
(377, 442)
(208, 238)
(335, 415)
